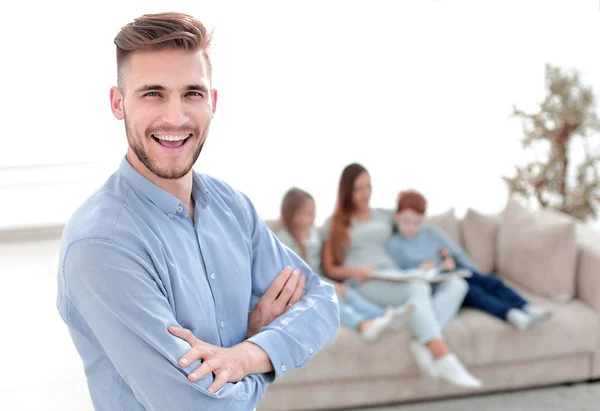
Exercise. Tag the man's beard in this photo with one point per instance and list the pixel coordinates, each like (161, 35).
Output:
(135, 142)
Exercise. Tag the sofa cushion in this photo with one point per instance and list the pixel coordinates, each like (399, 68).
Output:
(573, 328)
(588, 266)
(352, 358)
(477, 338)
(447, 222)
(538, 251)
(479, 234)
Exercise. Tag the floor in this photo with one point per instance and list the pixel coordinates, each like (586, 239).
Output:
(42, 371)
(580, 397)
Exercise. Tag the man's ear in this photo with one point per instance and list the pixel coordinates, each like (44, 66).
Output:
(214, 96)
(116, 103)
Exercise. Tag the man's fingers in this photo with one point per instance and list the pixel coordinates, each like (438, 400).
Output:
(220, 380)
(277, 285)
(299, 292)
(199, 349)
(205, 368)
(197, 352)
(184, 334)
(290, 286)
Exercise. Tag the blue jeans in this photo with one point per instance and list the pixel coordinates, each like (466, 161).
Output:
(355, 309)
(489, 294)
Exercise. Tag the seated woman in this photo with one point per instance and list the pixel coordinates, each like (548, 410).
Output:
(417, 246)
(356, 246)
(300, 235)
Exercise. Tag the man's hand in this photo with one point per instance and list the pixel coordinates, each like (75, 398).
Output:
(285, 291)
(227, 364)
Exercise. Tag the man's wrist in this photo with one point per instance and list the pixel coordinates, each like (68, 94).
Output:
(254, 359)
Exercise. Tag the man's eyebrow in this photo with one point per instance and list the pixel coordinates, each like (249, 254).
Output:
(150, 87)
(199, 87)
(158, 87)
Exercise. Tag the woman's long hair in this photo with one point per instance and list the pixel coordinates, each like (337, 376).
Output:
(292, 201)
(344, 208)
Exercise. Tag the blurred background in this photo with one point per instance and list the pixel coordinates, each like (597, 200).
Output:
(420, 92)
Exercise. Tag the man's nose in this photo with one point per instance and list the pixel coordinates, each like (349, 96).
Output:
(174, 113)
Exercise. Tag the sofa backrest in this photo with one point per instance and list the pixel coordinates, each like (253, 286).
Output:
(536, 250)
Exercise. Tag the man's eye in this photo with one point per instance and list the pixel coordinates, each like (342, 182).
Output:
(151, 94)
(194, 94)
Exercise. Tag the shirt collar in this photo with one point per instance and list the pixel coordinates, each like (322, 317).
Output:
(166, 202)
(199, 191)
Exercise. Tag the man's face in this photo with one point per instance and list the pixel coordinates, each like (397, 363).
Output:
(167, 104)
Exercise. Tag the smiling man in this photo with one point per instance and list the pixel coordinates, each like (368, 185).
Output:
(159, 268)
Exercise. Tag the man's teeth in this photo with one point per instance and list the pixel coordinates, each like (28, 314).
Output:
(170, 138)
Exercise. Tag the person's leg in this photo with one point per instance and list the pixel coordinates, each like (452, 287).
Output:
(482, 299)
(496, 287)
(349, 316)
(366, 307)
(431, 353)
(479, 298)
(393, 318)
(387, 293)
(424, 322)
(429, 349)
(374, 320)
(448, 297)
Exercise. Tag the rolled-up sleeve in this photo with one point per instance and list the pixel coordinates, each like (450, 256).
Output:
(310, 325)
(120, 298)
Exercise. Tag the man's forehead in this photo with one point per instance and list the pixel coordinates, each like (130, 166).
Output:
(169, 68)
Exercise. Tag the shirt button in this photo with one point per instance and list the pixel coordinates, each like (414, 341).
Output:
(222, 324)
(213, 276)
(180, 209)
(283, 368)
(310, 350)
(170, 215)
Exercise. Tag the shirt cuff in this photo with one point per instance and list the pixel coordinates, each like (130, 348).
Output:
(275, 346)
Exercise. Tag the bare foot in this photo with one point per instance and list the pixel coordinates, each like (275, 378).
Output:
(438, 348)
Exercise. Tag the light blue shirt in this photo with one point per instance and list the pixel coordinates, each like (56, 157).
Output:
(132, 263)
(409, 253)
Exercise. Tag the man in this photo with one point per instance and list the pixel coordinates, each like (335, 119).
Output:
(159, 267)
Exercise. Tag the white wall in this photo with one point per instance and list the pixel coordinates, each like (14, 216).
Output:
(420, 92)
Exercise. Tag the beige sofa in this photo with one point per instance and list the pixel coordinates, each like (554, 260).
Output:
(546, 256)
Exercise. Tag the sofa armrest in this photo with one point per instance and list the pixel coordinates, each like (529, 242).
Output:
(588, 266)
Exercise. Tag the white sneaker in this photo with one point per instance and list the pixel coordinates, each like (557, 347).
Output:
(537, 313)
(401, 315)
(424, 358)
(452, 370)
(394, 318)
(519, 319)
